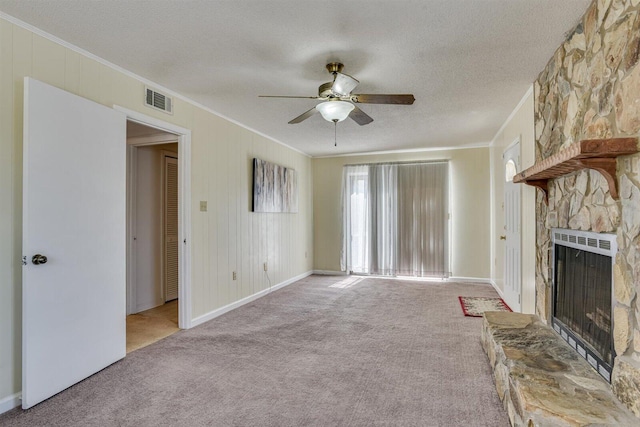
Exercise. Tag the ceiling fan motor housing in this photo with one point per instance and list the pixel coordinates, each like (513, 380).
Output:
(324, 90)
(335, 67)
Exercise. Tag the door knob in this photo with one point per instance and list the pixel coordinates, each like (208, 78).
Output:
(503, 237)
(38, 259)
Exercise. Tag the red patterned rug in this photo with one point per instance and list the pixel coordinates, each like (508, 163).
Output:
(475, 306)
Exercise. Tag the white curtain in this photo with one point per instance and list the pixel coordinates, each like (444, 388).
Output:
(395, 219)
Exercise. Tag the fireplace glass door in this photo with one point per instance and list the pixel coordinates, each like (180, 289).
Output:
(583, 297)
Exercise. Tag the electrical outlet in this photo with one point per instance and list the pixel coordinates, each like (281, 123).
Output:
(235, 276)
(265, 266)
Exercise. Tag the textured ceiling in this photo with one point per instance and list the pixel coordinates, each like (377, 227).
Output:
(468, 62)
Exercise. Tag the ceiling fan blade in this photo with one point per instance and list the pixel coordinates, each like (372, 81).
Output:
(343, 84)
(303, 116)
(404, 99)
(360, 117)
(285, 96)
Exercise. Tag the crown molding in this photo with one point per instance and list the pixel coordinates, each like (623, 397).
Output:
(141, 79)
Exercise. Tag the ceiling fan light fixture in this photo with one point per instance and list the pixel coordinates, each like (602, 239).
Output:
(343, 84)
(335, 111)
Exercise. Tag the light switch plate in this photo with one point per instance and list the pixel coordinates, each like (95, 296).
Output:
(203, 206)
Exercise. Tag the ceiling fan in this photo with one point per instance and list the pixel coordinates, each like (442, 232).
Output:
(339, 101)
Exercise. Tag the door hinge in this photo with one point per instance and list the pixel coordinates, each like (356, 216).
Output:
(24, 260)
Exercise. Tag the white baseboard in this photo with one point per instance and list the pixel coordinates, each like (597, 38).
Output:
(222, 310)
(498, 290)
(330, 273)
(479, 280)
(471, 280)
(10, 402)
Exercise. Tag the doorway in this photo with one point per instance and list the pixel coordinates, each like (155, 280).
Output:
(152, 309)
(158, 291)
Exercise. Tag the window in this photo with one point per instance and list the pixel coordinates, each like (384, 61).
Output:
(510, 170)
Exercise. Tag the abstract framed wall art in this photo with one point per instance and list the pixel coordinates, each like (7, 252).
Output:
(275, 187)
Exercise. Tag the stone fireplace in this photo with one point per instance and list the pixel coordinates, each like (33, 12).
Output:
(591, 89)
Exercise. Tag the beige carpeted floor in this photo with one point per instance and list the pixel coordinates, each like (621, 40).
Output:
(324, 351)
(149, 326)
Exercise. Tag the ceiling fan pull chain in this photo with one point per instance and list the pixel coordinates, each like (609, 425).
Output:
(335, 132)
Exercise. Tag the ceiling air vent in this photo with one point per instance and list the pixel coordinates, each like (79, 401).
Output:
(158, 101)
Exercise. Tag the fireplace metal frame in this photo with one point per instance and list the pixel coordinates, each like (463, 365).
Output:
(589, 241)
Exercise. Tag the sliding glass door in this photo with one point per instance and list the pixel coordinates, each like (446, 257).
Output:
(395, 219)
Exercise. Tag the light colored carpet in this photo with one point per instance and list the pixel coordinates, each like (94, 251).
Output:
(152, 325)
(325, 351)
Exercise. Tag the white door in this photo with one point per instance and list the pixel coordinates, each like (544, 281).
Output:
(170, 228)
(512, 262)
(73, 306)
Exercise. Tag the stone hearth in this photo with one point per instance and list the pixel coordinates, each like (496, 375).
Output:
(542, 381)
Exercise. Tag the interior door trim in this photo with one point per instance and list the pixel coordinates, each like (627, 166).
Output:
(184, 212)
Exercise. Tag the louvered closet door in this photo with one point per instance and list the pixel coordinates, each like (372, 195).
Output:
(170, 228)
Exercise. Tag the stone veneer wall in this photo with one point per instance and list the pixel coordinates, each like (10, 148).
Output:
(591, 89)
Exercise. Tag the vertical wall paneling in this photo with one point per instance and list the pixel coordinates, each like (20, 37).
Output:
(243, 190)
(264, 230)
(109, 83)
(90, 79)
(232, 215)
(48, 62)
(226, 238)
(257, 256)
(9, 250)
(222, 221)
(22, 65)
(210, 258)
(72, 71)
(200, 220)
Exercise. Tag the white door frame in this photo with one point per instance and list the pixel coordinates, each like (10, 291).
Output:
(184, 211)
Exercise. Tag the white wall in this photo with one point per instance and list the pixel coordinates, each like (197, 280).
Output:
(470, 207)
(226, 238)
(519, 126)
